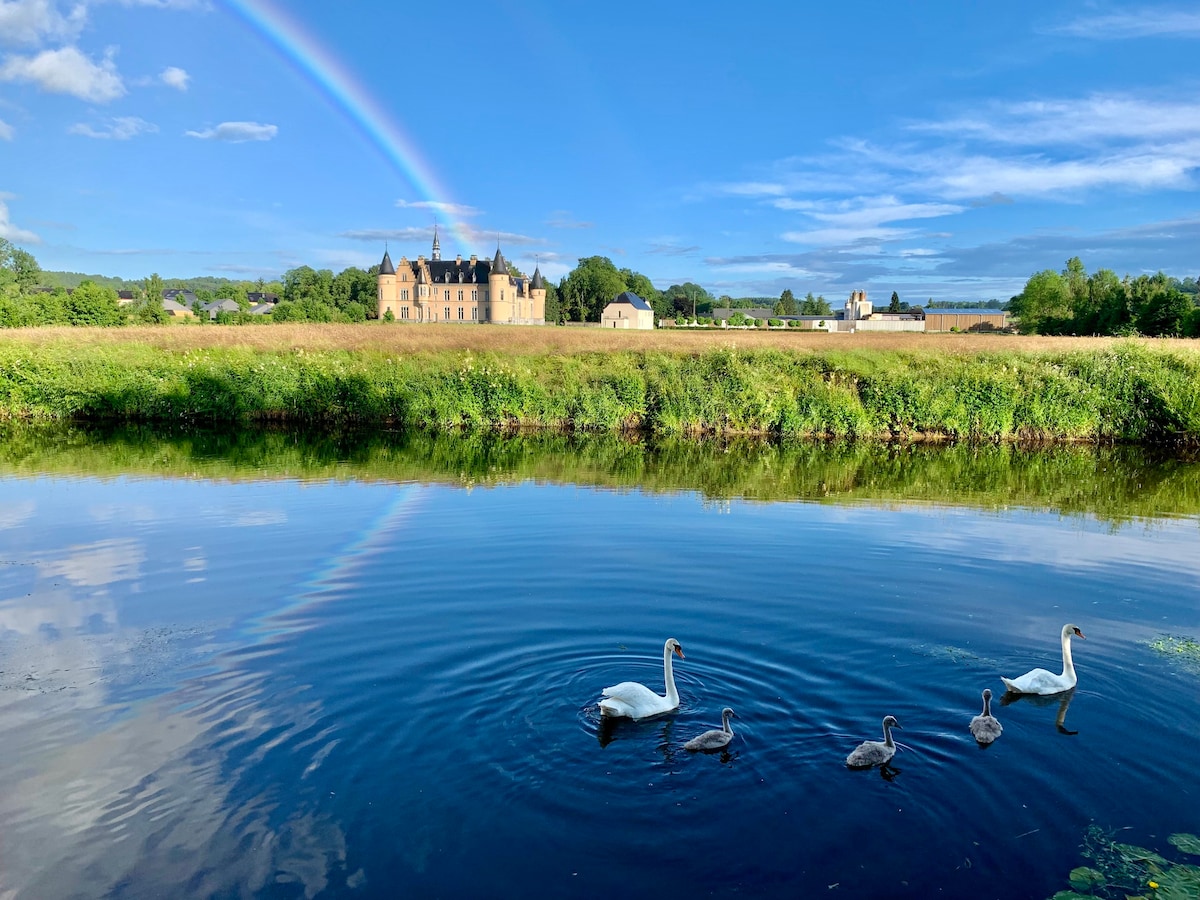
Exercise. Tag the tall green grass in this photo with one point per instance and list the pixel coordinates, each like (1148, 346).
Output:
(1130, 392)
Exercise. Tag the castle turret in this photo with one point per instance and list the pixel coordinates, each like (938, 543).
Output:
(501, 291)
(437, 247)
(537, 298)
(388, 293)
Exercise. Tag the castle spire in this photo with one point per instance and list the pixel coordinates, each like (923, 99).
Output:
(437, 247)
(386, 267)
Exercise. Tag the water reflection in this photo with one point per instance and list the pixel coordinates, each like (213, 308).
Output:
(1061, 700)
(1113, 483)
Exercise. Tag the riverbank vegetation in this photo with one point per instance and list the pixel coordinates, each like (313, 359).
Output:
(577, 379)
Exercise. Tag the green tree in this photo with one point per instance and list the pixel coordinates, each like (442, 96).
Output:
(787, 305)
(894, 306)
(91, 304)
(592, 285)
(152, 289)
(1044, 307)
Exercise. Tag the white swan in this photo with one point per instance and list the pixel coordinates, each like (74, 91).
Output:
(985, 727)
(715, 739)
(1039, 681)
(636, 701)
(875, 753)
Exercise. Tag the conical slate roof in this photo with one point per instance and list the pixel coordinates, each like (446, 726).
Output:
(538, 283)
(499, 267)
(386, 267)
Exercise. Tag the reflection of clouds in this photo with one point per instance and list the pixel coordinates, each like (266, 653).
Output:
(124, 512)
(101, 563)
(260, 517)
(149, 800)
(1050, 543)
(14, 514)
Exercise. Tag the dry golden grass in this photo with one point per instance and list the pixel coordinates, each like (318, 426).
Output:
(528, 340)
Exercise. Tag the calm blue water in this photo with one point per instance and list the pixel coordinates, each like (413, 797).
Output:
(287, 689)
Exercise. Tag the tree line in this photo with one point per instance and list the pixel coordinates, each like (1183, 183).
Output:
(1074, 302)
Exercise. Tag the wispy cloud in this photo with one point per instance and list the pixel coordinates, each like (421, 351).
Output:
(122, 128)
(561, 218)
(672, 248)
(1104, 117)
(424, 234)
(1152, 21)
(6, 131)
(236, 132)
(449, 209)
(67, 71)
(33, 21)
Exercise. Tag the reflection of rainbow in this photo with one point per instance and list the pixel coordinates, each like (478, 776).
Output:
(319, 587)
(320, 66)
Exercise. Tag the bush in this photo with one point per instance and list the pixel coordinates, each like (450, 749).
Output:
(775, 323)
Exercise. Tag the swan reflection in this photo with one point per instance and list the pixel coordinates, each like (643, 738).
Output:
(1062, 700)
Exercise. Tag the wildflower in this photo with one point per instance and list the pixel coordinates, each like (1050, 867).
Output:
(1153, 884)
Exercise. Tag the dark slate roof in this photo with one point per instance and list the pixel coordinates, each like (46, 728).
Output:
(632, 299)
(386, 267)
(498, 264)
(537, 284)
(262, 297)
(449, 271)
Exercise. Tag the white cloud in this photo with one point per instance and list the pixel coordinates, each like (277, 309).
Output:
(11, 232)
(67, 71)
(1148, 22)
(6, 131)
(173, 76)
(121, 128)
(450, 209)
(1105, 117)
(32, 21)
(236, 132)
(562, 218)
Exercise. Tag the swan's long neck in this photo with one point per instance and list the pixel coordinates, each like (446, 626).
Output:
(1068, 665)
(725, 724)
(669, 676)
(987, 706)
(887, 735)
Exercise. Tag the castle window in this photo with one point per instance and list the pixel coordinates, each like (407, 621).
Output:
(447, 298)
(460, 313)
(460, 296)
(501, 295)
(474, 313)
(404, 312)
(447, 315)
(474, 296)
(404, 294)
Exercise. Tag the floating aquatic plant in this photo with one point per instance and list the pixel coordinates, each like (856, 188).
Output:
(1127, 871)
(1183, 651)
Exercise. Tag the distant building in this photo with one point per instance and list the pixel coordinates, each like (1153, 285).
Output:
(124, 298)
(257, 297)
(218, 306)
(858, 307)
(627, 310)
(177, 310)
(465, 292)
(966, 319)
(187, 298)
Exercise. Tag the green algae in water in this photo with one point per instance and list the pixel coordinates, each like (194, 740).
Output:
(1127, 871)
(1182, 651)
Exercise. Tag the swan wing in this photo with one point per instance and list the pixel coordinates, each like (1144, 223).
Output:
(1038, 681)
(634, 700)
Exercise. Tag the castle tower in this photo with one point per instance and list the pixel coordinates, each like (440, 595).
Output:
(389, 294)
(502, 294)
(537, 298)
(437, 247)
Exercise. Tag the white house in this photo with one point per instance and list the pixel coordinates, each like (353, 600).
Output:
(627, 310)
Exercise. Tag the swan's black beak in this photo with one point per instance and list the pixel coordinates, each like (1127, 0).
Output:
(1080, 634)
(679, 652)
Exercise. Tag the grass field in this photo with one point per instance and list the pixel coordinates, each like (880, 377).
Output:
(909, 386)
(526, 340)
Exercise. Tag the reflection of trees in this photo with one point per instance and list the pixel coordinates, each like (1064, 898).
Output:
(1113, 483)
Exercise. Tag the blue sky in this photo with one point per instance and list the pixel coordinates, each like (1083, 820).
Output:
(945, 150)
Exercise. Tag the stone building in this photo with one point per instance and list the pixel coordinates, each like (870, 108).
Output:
(458, 290)
(627, 310)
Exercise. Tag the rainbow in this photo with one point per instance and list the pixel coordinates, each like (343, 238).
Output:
(319, 65)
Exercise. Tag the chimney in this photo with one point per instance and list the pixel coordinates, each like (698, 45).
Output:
(458, 260)
(474, 259)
